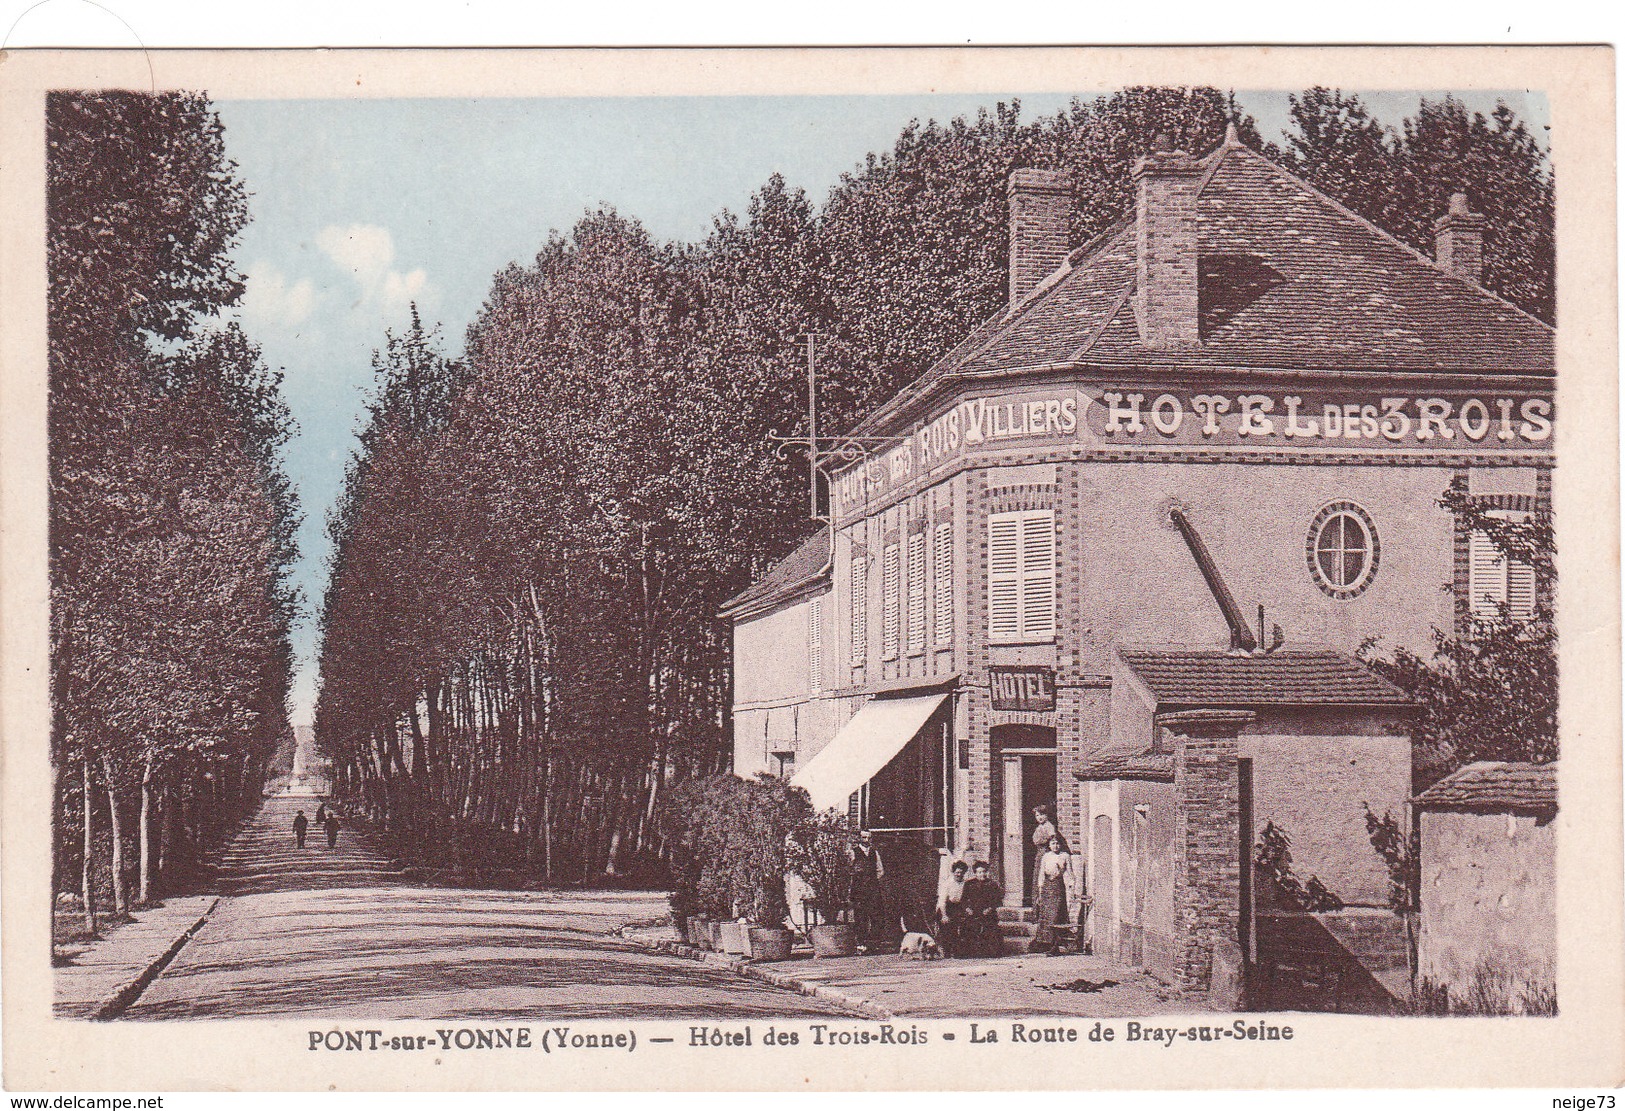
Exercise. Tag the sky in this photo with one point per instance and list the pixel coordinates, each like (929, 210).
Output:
(360, 208)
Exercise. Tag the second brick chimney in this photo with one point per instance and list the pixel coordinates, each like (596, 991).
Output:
(1040, 211)
(1165, 291)
(1458, 238)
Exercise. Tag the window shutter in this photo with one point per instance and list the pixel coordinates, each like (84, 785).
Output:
(1486, 577)
(1038, 576)
(815, 644)
(916, 592)
(1494, 580)
(944, 585)
(860, 610)
(1004, 577)
(1521, 589)
(889, 602)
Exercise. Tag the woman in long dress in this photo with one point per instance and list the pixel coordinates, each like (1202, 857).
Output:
(1054, 893)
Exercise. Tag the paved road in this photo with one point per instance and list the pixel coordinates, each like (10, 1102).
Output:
(342, 934)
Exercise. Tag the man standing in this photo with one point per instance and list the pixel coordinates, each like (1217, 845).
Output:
(867, 900)
(331, 825)
(299, 827)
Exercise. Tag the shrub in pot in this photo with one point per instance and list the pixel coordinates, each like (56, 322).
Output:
(774, 810)
(819, 854)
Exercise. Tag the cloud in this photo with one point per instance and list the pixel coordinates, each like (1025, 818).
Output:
(271, 298)
(367, 253)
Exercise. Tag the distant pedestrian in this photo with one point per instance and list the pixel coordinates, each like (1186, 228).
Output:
(299, 827)
(321, 814)
(331, 825)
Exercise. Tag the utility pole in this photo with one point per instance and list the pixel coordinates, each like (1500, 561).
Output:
(812, 425)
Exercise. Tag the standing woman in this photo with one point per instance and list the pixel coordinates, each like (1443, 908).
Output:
(1054, 893)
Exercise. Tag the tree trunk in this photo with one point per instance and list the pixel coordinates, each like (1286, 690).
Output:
(87, 876)
(145, 891)
(121, 895)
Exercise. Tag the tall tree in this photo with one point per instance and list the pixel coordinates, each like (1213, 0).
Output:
(1402, 180)
(171, 521)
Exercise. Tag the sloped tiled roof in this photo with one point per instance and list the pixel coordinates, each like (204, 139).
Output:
(785, 578)
(1126, 765)
(1494, 786)
(1288, 279)
(1285, 677)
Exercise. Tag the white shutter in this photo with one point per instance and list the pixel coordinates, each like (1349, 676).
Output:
(1486, 577)
(1494, 580)
(943, 557)
(815, 644)
(860, 609)
(889, 602)
(916, 592)
(1021, 576)
(1004, 576)
(1521, 589)
(1038, 576)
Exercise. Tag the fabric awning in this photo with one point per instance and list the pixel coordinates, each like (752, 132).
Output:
(864, 745)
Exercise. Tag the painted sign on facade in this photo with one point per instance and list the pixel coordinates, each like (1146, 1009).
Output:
(1130, 417)
(1022, 688)
(1249, 418)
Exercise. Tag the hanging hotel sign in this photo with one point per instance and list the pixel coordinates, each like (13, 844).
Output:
(1022, 688)
(1146, 418)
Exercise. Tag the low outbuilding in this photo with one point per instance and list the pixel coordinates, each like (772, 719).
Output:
(1488, 854)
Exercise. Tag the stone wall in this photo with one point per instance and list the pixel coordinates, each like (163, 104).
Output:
(1488, 901)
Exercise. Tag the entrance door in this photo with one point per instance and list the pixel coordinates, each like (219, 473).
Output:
(1029, 782)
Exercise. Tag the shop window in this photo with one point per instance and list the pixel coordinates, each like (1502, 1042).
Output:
(916, 593)
(1495, 583)
(943, 573)
(1343, 549)
(1021, 576)
(860, 610)
(815, 644)
(889, 603)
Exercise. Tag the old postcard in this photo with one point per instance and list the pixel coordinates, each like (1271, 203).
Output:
(772, 569)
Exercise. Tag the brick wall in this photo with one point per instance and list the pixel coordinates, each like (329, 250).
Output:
(1207, 870)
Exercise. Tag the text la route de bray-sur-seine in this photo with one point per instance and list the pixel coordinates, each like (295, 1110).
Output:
(570, 1039)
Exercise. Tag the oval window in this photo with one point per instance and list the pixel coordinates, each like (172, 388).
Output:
(1343, 549)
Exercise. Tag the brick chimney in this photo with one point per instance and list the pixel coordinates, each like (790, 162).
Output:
(1458, 238)
(1040, 210)
(1166, 184)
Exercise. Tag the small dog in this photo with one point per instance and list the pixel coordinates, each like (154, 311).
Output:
(920, 947)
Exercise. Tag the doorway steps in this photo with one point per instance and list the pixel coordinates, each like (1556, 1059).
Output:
(1017, 927)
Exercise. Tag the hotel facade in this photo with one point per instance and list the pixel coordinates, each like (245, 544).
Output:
(1117, 551)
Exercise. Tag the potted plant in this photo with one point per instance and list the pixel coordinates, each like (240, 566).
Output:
(819, 856)
(777, 811)
(692, 825)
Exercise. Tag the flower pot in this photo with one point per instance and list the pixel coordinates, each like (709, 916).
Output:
(734, 941)
(839, 939)
(770, 943)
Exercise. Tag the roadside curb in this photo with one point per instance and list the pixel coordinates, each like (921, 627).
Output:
(117, 1003)
(753, 971)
